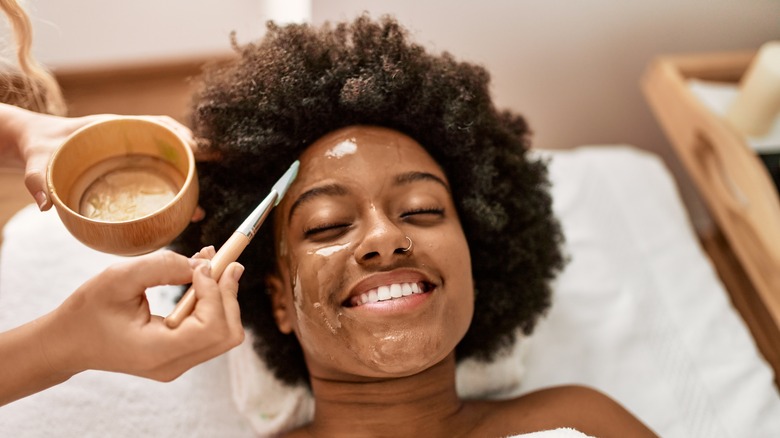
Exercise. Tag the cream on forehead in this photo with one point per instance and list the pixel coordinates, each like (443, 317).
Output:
(345, 147)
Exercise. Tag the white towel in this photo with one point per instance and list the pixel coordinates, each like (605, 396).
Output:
(563, 432)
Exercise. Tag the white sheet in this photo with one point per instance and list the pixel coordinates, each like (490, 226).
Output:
(638, 313)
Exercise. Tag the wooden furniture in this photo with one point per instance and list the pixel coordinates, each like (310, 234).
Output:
(735, 185)
(154, 88)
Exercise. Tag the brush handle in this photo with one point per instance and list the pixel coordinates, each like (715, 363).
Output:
(227, 254)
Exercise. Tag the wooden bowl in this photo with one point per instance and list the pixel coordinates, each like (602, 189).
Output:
(124, 186)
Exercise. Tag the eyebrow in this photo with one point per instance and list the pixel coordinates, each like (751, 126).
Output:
(339, 190)
(410, 177)
(308, 195)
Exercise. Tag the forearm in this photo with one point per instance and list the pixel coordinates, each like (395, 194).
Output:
(25, 365)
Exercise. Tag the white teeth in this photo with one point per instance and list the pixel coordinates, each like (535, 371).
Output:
(384, 293)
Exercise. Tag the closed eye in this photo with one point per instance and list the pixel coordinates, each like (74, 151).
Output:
(436, 211)
(422, 214)
(326, 231)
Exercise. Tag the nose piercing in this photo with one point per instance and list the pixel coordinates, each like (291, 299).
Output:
(408, 248)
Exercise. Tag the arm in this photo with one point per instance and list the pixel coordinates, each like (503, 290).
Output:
(106, 325)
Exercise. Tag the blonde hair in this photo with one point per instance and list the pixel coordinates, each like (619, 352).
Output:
(27, 85)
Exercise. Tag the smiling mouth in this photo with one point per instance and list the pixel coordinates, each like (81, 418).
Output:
(389, 292)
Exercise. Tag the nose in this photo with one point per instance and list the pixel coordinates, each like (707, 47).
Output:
(383, 241)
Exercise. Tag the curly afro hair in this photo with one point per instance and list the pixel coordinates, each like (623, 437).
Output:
(260, 112)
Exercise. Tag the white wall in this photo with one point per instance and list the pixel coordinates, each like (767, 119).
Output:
(73, 33)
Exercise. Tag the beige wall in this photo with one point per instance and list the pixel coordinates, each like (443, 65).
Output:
(572, 67)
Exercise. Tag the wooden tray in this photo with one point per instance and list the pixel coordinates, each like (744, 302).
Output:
(734, 184)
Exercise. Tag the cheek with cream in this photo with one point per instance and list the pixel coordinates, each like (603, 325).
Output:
(318, 321)
(334, 341)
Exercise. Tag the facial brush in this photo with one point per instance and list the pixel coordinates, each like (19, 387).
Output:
(233, 247)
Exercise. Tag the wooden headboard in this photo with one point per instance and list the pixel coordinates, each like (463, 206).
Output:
(152, 88)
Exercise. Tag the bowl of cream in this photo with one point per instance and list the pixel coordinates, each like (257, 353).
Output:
(125, 185)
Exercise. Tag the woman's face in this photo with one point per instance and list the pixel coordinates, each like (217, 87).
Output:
(360, 303)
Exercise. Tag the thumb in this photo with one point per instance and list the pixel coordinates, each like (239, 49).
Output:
(35, 180)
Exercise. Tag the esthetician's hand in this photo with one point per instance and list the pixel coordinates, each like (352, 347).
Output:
(31, 138)
(106, 324)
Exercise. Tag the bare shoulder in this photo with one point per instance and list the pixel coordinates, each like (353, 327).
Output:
(578, 407)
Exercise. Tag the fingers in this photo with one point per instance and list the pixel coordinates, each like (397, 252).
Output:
(181, 130)
(46, 134)
(176, 367)
(199, 146)
(154, 350)
(218, 301)
(207, 252)
(208, 303)
(159, 268)
(35, 180)
(217, 305)
(228, 283)
(213, 328)
(198, 214)
(228, 286)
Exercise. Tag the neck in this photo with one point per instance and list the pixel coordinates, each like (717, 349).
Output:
(424, 404)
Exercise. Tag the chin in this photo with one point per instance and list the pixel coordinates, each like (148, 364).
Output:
(400, 359)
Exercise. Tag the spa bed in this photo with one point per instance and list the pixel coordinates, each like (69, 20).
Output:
(639, 313)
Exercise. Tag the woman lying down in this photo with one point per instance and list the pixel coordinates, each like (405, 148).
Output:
(416, 234)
